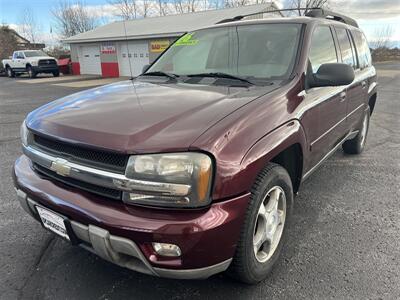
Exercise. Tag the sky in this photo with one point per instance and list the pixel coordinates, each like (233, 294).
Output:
(373, 16)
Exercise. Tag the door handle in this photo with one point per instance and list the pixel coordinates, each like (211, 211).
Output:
(342, 96)
(363, 84)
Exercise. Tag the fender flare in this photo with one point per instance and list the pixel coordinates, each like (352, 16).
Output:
(273, 143)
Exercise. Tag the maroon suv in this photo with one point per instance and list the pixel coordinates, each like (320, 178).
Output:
(190, 169)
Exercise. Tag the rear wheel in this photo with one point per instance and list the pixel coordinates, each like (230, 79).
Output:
(10, 72)
(31, 72)
(265, 225)
(357, 144)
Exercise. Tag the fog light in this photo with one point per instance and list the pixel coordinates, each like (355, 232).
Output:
(164, 249)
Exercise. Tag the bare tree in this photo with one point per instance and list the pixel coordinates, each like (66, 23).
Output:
(186, 6)
(8, 41)
(73, 18)
(382, 35)
(145, 6)
(127, 9)
(308, 4)
(237, 3)
(162, 7)
(28, 26)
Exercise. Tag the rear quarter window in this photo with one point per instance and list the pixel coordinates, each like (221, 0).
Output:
(363, 52)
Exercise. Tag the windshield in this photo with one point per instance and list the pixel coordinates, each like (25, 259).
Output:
(34, 53)
(262, 51)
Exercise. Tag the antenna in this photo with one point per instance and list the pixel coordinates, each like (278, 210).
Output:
(127, 48)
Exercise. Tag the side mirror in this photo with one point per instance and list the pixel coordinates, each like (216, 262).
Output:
(145, 68)
(332, 74)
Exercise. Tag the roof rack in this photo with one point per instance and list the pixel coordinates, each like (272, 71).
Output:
(314, 12)
(326, 14)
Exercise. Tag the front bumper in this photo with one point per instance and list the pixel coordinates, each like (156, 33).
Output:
(123, 234)
(45, 69)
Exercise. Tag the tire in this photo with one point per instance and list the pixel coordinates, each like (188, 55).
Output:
(357, 144)
(31, 72)
(10, 72)
(251, 264)
(56, 73)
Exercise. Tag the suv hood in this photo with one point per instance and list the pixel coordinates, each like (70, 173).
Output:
(140, 116)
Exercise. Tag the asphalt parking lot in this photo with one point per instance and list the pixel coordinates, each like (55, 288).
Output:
(344, 240)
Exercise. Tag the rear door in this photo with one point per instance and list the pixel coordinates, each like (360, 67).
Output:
(326, 115)
(354, 92)
(358, 99)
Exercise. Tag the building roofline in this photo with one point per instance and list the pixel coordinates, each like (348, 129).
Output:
(124, 38)
(89, 36)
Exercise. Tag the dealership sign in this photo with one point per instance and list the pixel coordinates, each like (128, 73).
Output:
(108, 49)
(159, 46)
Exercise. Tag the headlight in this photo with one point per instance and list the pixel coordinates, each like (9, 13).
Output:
(24, 132)
(170, 180)
(34, 62)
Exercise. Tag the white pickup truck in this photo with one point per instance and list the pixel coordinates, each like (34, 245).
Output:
(31, 62)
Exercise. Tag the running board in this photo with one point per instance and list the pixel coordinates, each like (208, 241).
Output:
(349, 136)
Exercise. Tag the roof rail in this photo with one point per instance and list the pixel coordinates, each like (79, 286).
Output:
(326, 14)
(314, 12)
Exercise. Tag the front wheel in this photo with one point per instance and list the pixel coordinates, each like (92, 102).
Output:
(31, 72)
(10, 72)
(56, 73)
(266, 221)
(356, 145)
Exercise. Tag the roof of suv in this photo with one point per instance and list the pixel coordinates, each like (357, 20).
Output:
(295, 20)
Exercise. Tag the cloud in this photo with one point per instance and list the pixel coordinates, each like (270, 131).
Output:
(367, 9)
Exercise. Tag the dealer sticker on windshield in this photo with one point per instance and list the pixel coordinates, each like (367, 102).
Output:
(186, 40)
(53, 222)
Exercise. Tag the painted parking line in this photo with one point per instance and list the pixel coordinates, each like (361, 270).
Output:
(88, 83)
(57, 79)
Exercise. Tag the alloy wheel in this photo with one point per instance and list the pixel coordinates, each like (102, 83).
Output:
(269, 224)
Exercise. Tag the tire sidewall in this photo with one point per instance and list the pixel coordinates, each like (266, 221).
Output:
(367, 115)
(279, 178)
(30, 72)
(356, 145)
(10, 73)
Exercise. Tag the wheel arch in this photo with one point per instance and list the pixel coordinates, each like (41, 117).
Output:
(291, 159)
(284, 146)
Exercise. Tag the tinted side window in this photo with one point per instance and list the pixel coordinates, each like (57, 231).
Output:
(345, 47)
(322, 49)
(363, 53)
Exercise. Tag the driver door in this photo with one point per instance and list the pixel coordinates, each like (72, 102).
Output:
(325, 118)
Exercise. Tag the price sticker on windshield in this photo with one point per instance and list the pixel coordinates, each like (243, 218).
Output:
(186, 40)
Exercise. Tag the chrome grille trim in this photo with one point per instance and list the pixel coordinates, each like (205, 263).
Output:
(105, 178)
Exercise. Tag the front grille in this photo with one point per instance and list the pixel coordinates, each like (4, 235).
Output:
(47, 62)
(95, 189)
(104, 160)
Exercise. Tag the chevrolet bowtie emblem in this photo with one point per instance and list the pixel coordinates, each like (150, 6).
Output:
(60, 166)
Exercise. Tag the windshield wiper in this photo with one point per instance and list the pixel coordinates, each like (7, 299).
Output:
(161, 73)
(221, 75)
